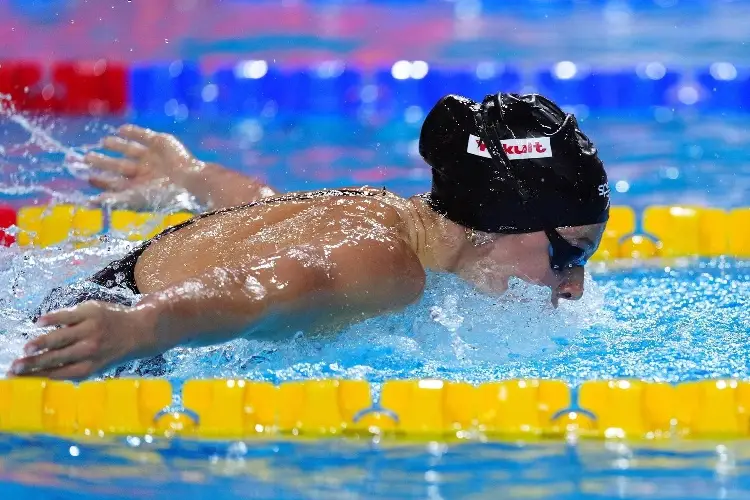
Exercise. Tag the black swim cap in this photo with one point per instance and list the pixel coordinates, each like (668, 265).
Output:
(512, 164)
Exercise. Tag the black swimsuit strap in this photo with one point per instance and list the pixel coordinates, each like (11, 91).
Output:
(298, 196)
(121, 273)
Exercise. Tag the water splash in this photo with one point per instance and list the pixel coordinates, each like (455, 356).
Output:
(38, 166)
(29, 274)
(656, 324)
(452, 332)
(40, 137)
(32, 155)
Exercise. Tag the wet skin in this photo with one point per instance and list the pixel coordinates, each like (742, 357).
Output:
(272, 269)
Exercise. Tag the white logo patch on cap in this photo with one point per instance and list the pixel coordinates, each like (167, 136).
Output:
(516, 149)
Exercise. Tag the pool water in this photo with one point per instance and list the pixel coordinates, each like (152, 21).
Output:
(671, 321)
(51, 468)
(666, 321)
(653, 156)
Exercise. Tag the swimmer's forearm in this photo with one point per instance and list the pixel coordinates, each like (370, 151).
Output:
(188, 321)
(221, 305)
(178, 317)
(303, 288)
(218, 187)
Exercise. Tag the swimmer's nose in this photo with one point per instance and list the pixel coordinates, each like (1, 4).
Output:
(571, 286)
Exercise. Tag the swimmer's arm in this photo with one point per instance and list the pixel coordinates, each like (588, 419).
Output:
(151, 162)
(324, 285)
(216, 186)
(300, 290)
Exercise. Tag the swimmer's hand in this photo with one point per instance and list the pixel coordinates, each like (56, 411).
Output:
(89, 338)
(152, 162)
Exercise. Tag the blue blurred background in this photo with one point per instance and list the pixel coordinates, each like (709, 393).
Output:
(308, 93)
(313, 93)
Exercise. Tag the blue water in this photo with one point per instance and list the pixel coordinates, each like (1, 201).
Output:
(658, 323)
(653, 156)
(338, 469)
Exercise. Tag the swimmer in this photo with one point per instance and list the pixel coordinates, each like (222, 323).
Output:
(517, 191)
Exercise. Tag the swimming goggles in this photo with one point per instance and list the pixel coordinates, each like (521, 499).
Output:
(562, 254)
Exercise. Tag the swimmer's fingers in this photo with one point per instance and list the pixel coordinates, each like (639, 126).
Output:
(138, 134)
(122, 166)
(98, 337)
(118, 172)
(68, 316)
(107, 183)
(56, 339)
(60, 347)
(53, 359)
(128, 148)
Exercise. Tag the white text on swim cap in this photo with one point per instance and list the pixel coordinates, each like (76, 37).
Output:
(516, 149)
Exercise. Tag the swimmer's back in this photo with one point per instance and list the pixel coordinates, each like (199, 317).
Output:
(228, 238)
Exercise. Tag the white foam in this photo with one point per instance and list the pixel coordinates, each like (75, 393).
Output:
(29, 274)
(452, 329)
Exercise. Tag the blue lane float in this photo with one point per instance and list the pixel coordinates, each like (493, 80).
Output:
(331, 89)
(415, 83)
(650, 85)
(252, 88)
(171, 89)
(725, 86)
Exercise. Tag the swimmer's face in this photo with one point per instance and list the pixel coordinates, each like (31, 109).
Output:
(526, 256)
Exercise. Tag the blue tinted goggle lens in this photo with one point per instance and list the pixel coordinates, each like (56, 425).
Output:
(562, 254)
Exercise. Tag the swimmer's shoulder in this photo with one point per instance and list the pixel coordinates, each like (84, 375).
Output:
(374, 205)
(391, 209)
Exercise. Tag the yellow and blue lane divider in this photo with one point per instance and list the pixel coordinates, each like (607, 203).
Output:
(406, 409)
(659, 232)
(412, 409)
(45, 226)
